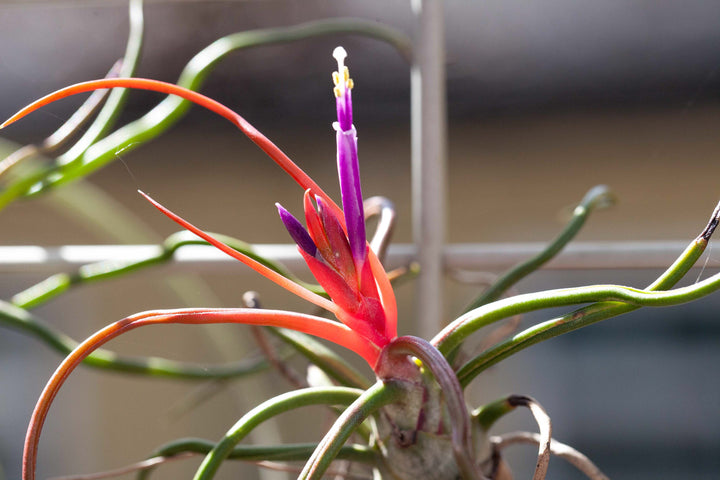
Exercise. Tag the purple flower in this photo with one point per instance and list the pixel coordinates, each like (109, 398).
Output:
(335, 248)
(347, 160)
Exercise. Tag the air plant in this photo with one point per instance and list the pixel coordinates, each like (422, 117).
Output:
(413, 421)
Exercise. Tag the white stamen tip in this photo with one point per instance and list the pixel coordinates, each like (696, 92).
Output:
(339, 53)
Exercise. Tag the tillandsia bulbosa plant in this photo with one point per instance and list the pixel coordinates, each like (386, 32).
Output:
(411, 421)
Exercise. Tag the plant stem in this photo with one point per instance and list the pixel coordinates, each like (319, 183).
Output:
(452, 393)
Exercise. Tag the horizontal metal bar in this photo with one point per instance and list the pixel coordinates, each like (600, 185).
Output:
(477, 256)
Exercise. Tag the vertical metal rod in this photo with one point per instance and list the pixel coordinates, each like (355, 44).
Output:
(429, 158)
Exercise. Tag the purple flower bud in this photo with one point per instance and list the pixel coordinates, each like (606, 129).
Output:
(297, 231)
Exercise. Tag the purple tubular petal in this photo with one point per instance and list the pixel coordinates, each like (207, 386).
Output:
(343, 105)
(297, 231)
(349, 173)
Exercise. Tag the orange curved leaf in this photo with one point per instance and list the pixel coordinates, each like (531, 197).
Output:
(320, 327)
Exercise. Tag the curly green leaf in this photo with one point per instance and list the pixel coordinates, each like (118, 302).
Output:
(14, 317)
(377, 396)
(115, 102)
(36, 180)
(597, 197)
(271, 408)
(459, 330)
(279, 453)
(170, 110)
(599, 311)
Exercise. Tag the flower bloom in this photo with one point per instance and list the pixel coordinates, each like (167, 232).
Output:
(337, 251)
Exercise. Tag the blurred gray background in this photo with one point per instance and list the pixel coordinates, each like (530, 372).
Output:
(545, 99)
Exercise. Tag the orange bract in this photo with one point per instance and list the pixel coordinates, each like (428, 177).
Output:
(213, 105)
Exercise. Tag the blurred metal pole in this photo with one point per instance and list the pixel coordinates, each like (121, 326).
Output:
(429, 158)
(471, 257)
